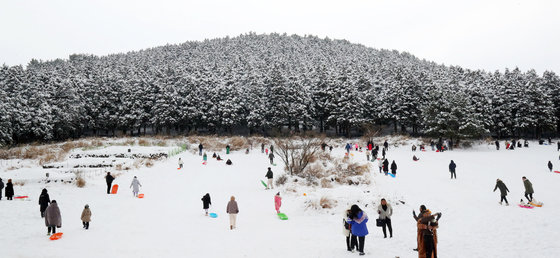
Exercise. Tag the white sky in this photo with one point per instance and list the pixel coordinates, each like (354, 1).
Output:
(476, 34)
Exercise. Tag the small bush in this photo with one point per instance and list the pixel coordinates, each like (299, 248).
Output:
(327, 203)
(80, 181)
(281, 180)
(238, 143)
(149, 163)
(19, 183)
(326, 183)
(143, 142)
(119, 166)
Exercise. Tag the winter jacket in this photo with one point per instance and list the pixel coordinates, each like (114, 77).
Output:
(1, 187)
(9, 190)
(180, 162)
(232, 207)
(52, 216)
(348, 147)
(277, 202)
(44, 201)
(135, 185)
(528, 186)
(86, 215)
(200, 147)
(109, 179)
(394, 167)
(385, 214)
(271, 148)
(503, 188)
(386, 165)
(206, 201)
(386, 145)
(359, 227)
(271, 156)
(269, 174)
(452, 166)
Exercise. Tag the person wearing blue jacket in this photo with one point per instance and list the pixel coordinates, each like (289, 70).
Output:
(348, 147)
(358, 220)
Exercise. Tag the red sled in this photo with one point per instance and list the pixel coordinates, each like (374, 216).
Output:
(114, 189)
(56, 236)
(557, 171)
(21, 197)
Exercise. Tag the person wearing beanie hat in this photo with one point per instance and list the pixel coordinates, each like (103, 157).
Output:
(86, 216)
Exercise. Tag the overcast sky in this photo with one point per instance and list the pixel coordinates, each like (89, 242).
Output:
(488, 34)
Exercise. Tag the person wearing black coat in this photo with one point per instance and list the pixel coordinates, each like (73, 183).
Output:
(200, 147)
(558, 145)
(206, 202)
(383, 152)
(550, 165)
(44, 201)
(9, 190)
(452, 167)
(1, 187)
(497, 145)
(394, 168)
(386, 145)
(269, 175)
(503, 190)
(386, 166)
(109, 178)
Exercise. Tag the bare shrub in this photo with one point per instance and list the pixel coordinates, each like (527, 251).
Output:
(50, 157)
(143, 142)
(33, 152)
(119, 166)
(80, 181)
(161, 143)
(19, 183)
(149, 163)
(238, 143)
(281, 180)
(312, 204)
(327, 203)
(296, 153)
(96, 143)
(326, 183)
(314, 171)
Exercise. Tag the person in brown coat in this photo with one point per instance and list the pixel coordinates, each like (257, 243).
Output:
(232, 210)
(427, 234)
(86, 217)
(53, 219)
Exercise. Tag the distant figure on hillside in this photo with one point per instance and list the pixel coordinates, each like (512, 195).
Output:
(558, 143)
(271, 148)
(330, 148)
(1, 188)
(519, 144)
(228, 162)
(232, 209)
(86, 217)
(200, 147)
(109, 179)
(383, 153)
(497, 145)
(386, 145)
(247, 151)
(269, 175)
(348, 147)
(549, 141)
(528, 189)
(346, 231)
(205, 157)
(271, 157)
(367, 155)
(526, 144)
(180, 163)
(386, 166)
(218, 158)
(415, 158)
(503, 190)
(380, 165)
(53, 219)
(512, 146)
(374, 153)
(413, 147)
(452, 167)
(206, 202)
(262, 147)
(135, 185)
(277, 202)
(44, 201)
(9, 190)
(227, 149)
(432, 144)
(356, 145)
(214, 155)
(394, 168)
(550, 166)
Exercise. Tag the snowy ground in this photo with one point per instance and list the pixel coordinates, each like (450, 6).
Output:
(169, 221)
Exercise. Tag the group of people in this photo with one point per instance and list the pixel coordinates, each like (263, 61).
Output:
(504, 190)
(51, 213)
(9, 191)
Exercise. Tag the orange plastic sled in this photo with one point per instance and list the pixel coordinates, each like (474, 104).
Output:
(56, 236)
(141, 196)
(114, 189)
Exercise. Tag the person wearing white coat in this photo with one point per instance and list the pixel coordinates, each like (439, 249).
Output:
(385, 211)
(380, 164)
(135, 186)
(346, 230)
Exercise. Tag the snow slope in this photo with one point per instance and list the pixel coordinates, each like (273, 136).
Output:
(169, 221)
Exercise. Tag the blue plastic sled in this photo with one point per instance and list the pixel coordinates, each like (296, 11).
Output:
(392, 175)
(213, 215)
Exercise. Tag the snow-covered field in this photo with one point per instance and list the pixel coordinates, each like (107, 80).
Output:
(170, 222)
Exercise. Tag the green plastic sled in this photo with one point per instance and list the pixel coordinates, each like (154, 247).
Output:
(265, 185)
(282, 216)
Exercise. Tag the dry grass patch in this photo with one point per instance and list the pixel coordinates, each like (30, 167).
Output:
(281, 180)
(80, 181)
(327, 203)
(238, 143)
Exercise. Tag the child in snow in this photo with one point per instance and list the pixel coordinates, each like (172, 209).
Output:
(358, 219)
(135, 186)
(277, 202)
(228, 162)
(232, 209)
(227, 149)
(53, 219)
(206, 202)
(86, 216)
(503, 191)
(180, 163)
(44, 201)
(247, 151)
(218, 158)
(271, 157)
(204, 157)
(214, 155)
(346, 231)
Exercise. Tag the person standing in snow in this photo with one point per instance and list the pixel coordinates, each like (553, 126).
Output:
(135, 185)
(53, 218)
(386, 145)
(346, 231)
(550, 166)
(528, 189)
(269, 175)
(526, 144)
(414, 158)
(232, 209)
(109, 179)
(180, 163)
(452, 167)
(271, 148)
(86, 217)
(356, 146)
(374, 153)
(427, 226)
(383, 152)
(348, 147)
(227, 149)
(394, 168)
(413, 147)
(386, 166)
(385, 211)
(262, 147)
(1, 187)
(205, 157)
(558, 143)
(497, 143)
(358, 221)
(271, 157)
(44, 201)
(503, 191)
(206, 202)
(416, 218)
(200, 147)
(9, 190)
(277, 202)
(380, 164)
